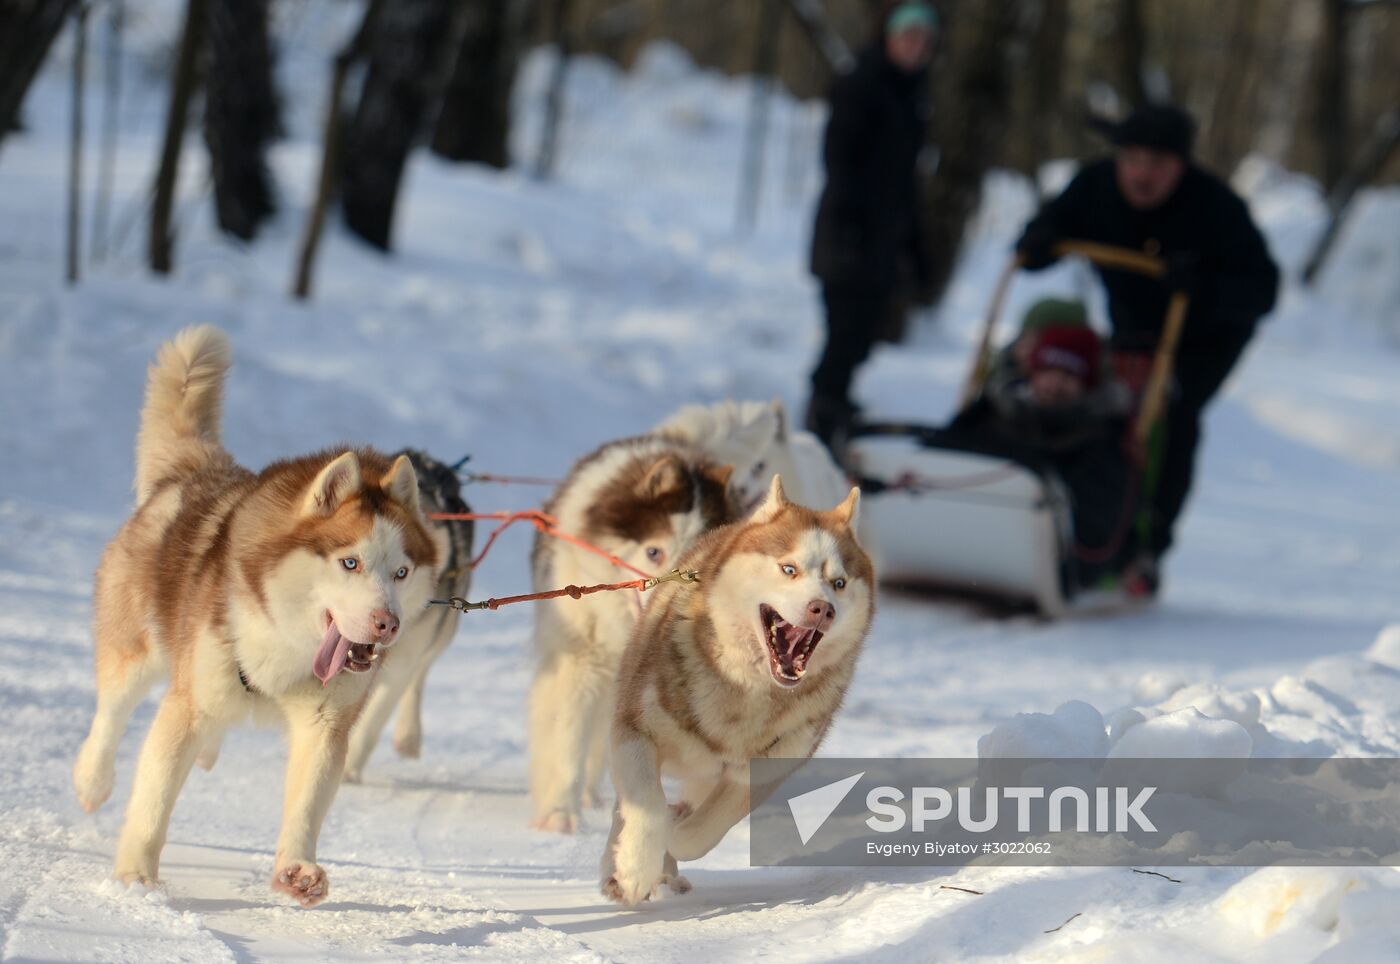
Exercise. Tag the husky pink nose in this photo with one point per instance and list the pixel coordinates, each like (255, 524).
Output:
(820, 615)
(383, 626)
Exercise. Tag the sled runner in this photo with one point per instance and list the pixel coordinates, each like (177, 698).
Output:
(994, 526)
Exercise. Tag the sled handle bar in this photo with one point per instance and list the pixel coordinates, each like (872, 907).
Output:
(1105, 256)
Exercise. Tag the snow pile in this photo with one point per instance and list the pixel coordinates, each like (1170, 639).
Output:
(1173, 719)
(1074, 731)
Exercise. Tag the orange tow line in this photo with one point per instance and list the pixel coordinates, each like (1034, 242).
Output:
(548, 525)
(573, 592)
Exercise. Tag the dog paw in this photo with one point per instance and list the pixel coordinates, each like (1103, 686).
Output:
(136, 877)
(409, 744)
(677, 884)
(305, 883)
(628, 891)
(93, 783)
(556, 821)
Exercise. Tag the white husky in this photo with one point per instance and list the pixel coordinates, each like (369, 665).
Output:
(753, 661)
(756, 438)
(644, 500)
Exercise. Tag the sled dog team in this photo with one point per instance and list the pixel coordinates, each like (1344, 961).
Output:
(298, 596)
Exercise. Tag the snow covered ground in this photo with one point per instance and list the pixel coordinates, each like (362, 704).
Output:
(525, 322)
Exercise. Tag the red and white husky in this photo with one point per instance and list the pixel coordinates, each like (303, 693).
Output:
(644, 500)
(751, 661)
(269, 596)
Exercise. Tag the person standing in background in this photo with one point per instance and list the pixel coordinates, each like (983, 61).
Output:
(867, 236)
(1150, 196)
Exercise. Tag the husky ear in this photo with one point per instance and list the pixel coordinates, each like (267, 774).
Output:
(720, 474)
(757, 432)
(774, 503)
(848, 512)
(401, 483)
(780, 415)
(666, 475)
(333, 485)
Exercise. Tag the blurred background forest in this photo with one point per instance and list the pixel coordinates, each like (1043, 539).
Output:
(1313, 85)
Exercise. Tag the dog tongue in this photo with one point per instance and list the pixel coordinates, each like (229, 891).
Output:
(330, 658)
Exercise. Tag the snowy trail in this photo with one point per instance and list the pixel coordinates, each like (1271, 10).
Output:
(532, 321)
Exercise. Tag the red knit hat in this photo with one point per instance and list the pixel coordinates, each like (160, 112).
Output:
(1073, 350)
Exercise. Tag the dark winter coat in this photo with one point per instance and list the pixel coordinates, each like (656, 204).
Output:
(867, 220)
(1236, 282)
(1079, 445)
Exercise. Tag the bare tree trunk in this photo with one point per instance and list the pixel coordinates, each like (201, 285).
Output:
(1131, 49)
(240, 114)
(1384, 144)
(474, 124)
(182, 89)
(75, 153)
(27, 30)
(1046, 76)
(1333, 107)
(1231, 124)
(554, 97)
(328, 178)
(756, 132)
(811, 17)
(411, 46)
(111, 120)
(973, 87)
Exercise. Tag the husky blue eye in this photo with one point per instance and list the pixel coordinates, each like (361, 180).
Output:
(838, 583)
(350, 564)
(654, 554)
(402, 573)
(789, 569)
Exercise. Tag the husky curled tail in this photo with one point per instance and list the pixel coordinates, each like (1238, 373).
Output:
(184, 403)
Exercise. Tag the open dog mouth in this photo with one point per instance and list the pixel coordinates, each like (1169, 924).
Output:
(338, 652)
(789, 646)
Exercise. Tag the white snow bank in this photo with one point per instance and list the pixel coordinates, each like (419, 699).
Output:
(1183, 734)
(1273, 900)
(1075, 730)
(1386, 649)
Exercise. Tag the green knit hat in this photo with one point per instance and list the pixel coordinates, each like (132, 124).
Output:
(912, 14)
(1054, 313)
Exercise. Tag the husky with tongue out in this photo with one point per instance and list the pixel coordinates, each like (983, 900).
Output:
(271, 596)
(752, 661)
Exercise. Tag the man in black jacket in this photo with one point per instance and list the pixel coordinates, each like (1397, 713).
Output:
(1150, 197)
(867, 221)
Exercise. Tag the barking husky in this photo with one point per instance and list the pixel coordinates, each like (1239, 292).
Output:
(645, 500)
(252, 593)
(421, 642)
(751, 662)
(756, 439)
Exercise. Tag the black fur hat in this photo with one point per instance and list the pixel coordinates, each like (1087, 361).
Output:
(1163, 127)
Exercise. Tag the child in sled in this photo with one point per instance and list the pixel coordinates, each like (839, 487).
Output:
(1051, 403)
